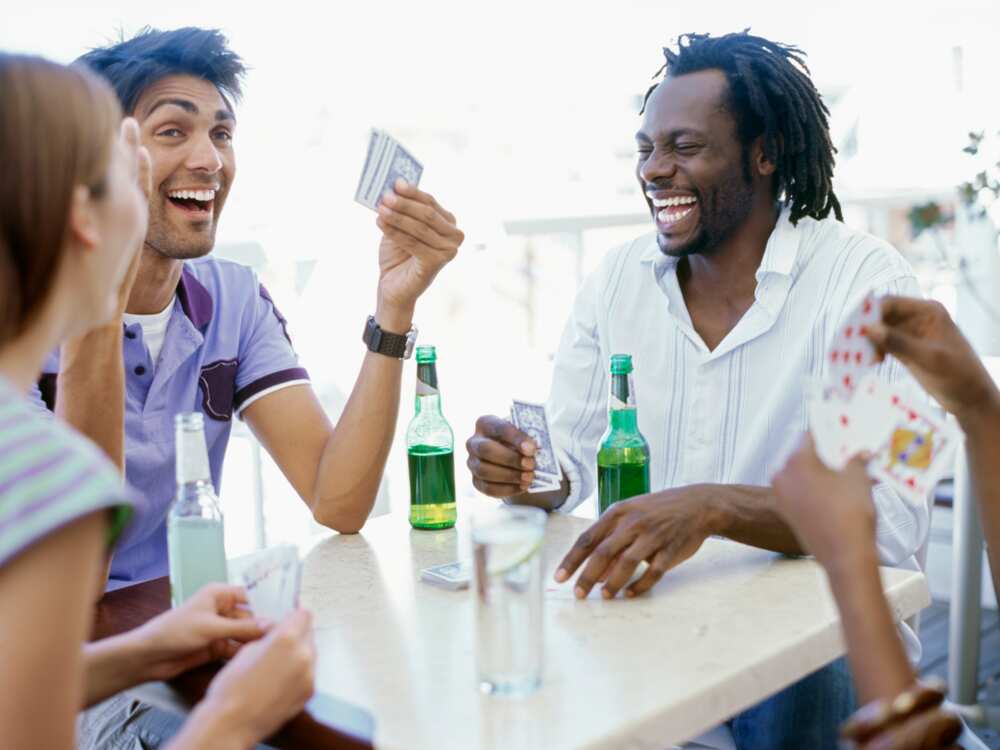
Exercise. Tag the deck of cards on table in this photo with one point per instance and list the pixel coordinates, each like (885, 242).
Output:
(530, 419)
(387, 160)
(910, 442)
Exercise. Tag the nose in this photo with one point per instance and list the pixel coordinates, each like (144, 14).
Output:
(658, 167)
(204, 156)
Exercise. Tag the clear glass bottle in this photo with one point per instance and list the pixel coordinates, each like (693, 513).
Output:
(195, 530)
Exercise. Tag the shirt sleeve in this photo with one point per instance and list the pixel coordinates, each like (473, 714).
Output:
(902, 526)
(577, 406)
(267, 362)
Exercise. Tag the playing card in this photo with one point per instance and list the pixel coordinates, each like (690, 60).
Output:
(272, 578)
(374, 143)
(833, 428)
(919, 448)
(531, 419)
(386, 161)
(851, 354)
(453, 576)
(399, 164)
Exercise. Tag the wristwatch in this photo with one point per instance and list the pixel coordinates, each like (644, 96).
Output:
(398, 345)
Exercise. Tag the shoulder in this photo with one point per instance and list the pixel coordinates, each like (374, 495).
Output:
(831, 246)
(224, 279)
(50, 475)
(624, 261)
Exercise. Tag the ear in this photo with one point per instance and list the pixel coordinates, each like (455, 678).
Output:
(83, 228)
(761, 164)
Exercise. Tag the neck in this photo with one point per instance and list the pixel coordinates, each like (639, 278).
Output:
(22, 359)
(155, 283)
(729, 270)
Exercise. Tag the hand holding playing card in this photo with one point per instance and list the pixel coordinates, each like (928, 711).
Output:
(419, 238)
(208, 626)
(501, 458)
(921, 335)
(830, 512)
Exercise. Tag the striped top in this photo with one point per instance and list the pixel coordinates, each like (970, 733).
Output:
(50, 476)
(734, 414)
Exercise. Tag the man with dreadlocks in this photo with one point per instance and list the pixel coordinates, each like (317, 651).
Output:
(727, 308)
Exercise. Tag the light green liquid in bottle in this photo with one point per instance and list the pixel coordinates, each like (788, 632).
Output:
(197, 555)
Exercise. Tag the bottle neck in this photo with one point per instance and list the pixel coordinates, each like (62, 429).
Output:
(192, 458)
(624, 420)
(428, 399)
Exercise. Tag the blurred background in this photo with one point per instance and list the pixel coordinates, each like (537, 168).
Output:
(523, 114)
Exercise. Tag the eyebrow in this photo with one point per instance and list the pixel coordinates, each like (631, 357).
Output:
(671, 135)
(190, 107)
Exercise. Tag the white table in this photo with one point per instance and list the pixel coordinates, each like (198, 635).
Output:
(718, 634)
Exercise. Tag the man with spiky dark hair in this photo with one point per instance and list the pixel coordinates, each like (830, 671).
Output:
(728, 309)
(200, 334)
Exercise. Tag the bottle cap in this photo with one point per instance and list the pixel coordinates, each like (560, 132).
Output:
(426, 355)
(621, 364)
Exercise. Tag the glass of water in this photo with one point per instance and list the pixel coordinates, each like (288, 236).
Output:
(507, 578)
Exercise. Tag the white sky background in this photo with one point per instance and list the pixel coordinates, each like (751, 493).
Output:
(516, 109)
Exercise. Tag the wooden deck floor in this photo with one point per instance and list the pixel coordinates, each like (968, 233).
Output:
(934, 635)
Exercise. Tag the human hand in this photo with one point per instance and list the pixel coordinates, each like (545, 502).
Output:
(921, 335)
(266, 683)
(210, 625)
(501, 458)
(830, 512)
(662, 528)
(419, 238)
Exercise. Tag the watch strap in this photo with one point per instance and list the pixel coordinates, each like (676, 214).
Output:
(384, 342)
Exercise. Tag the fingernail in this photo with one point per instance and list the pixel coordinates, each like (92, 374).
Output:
(383, 209)
(561, 575)
(526, 477)
(606, 594)
(579, 592)
(389, 198)
(629, 593)
(401, 183)
(528, 463)
(528, 448)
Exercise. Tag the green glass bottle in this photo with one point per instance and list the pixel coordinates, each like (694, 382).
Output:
(623, 458)
(430, 448)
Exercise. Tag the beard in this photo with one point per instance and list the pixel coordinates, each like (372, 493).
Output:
(721, 211)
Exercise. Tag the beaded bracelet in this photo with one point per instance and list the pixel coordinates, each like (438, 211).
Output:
(913, 715)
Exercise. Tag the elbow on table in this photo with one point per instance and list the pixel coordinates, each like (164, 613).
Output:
(344, 523)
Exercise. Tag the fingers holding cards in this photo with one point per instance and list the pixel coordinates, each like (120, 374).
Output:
(531, 420)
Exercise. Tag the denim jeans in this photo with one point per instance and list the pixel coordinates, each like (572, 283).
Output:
(806, 715)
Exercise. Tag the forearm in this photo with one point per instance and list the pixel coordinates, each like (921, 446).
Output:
(90, 390)
(982, 446)
(353, 459)
(749, 515)
(110, 666)
(874, 650)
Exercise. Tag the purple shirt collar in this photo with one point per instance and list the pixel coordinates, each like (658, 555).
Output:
(196, 302)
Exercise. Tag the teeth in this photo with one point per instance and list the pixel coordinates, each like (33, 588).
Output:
(664, 202)
(666, 217)
(196, 195)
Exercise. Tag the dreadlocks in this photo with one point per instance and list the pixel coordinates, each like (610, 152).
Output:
(770, 94)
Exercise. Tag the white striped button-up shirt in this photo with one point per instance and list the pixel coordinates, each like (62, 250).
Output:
(732, 415)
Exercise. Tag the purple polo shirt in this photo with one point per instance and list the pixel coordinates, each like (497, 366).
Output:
(225, 346)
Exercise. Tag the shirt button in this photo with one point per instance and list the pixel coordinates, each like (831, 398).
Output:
(130, 334)
(140, 370)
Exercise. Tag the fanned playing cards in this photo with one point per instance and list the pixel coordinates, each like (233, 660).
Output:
(911, 445)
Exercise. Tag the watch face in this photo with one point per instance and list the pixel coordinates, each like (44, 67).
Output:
(411, 341)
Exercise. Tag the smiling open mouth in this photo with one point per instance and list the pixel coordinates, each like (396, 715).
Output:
(193, 201)
(671, 211)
